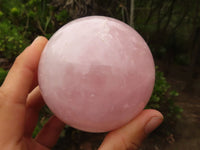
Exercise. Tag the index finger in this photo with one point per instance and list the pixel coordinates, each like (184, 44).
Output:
(23, 72)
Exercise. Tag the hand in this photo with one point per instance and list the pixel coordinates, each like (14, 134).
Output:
(130, 136)
(21, 101)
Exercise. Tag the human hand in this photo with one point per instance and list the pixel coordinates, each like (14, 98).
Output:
(130, 136)
(21, 101)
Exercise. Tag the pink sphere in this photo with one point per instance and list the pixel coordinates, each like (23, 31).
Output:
(96, 74)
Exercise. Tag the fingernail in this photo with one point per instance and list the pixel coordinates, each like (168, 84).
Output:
(36, 39)
(152, 124)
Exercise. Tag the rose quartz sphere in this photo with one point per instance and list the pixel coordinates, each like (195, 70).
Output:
(96, 74)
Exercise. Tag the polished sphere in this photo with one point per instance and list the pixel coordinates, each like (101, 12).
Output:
(96, 74)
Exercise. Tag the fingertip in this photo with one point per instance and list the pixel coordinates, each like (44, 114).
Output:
(152, 124)
(153, 113)
(39, 39)
(153, 119)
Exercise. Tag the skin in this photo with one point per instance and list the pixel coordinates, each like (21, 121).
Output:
(21, 101)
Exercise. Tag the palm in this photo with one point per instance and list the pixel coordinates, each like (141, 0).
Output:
(21, 121)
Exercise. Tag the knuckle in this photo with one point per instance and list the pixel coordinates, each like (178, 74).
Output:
(17, 60)
(133, 146)
(128, 144)
(2, 97)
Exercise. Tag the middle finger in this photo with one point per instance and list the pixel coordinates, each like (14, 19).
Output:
(33, 106)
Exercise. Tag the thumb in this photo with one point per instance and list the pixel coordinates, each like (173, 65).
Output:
(130, 136)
